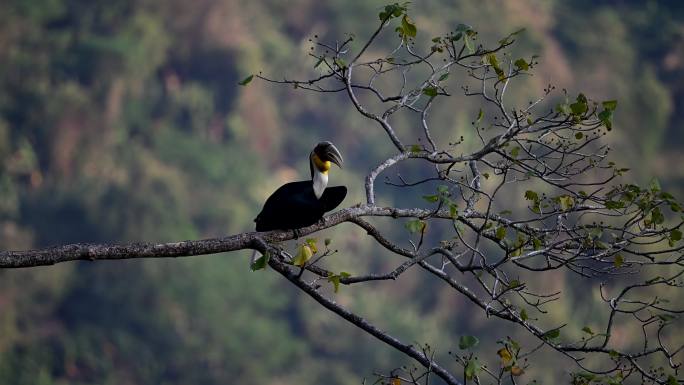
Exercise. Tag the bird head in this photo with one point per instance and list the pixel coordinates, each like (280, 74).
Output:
(322, 157)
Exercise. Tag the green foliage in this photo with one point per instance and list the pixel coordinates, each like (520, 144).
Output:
(249, 78)
(493, 61)
(606, 116)
(392, 11)
(335, 279)
(408, 28)
(261, 262)
(472, 368)
(416, 226)
(522, 65)
(500, 232)
(468, 342)
(552, 334)
(430, 91)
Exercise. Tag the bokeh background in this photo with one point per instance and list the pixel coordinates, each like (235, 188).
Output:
(121, 120)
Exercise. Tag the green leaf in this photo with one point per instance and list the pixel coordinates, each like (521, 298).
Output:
(468, 43)
(415, 226)
(531, 195)
(261, 262)
(480, 115)
(430, 91)
(327, 241)
(563, 108)
(246, 80)
(431, 198)
(606, 118)
(467, 342)
(494, 62)
(579, 135)
(657, 216)
(501, 232)
(415, 148)
(443, 77)
(463, 28)
(610, 105)
(335, 280)
(453, 210)
(537, 243)
(586, 376)
(675, 235)
(566, 202)
(523, 315)
(552, 334)
(515, 152)
(618, 261)
(344, 274)
(671, 380)
(340, 62)
(578, 108)
(471, 368)
(587, 330)
(408, 26)
(522, 64)
(654, 185)
(392, 10)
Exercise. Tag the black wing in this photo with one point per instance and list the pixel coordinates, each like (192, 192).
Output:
(332, 197)
(294, 205)
(291, 206)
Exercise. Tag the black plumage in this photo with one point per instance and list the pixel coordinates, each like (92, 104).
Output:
(295, 205)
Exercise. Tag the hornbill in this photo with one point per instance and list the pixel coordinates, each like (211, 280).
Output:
(299, 204)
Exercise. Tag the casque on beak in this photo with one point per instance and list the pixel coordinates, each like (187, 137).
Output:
(333, 154)
(327, 151)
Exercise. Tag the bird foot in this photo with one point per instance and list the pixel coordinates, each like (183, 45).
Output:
(296, 233)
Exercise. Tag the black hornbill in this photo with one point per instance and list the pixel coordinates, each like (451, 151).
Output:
(299, 204)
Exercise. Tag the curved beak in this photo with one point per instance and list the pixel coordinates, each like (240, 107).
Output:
(333, 154)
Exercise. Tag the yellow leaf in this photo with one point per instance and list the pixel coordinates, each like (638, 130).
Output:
(312, 244)
(396, 381)
(505, 355)
(305, 253)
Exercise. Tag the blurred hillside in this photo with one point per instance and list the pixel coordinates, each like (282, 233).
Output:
(122, 120)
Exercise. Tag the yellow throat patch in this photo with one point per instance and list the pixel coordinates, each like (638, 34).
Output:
(322, 166)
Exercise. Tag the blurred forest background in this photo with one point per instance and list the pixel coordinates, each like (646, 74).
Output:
(122, 120)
